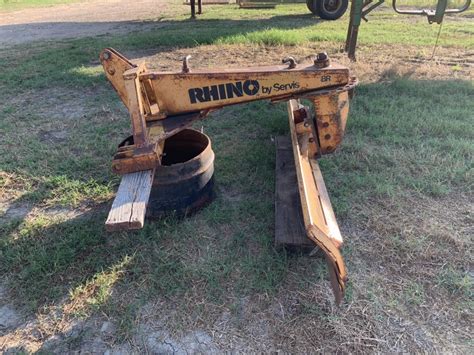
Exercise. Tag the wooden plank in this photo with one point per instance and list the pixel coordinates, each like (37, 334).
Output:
(129, 207)
(289, 226)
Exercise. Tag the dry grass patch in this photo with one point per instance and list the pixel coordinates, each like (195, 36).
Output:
(401, 187)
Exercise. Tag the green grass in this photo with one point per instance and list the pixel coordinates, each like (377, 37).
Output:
(21, 4)
(68, 62)
(382, 158)
(406, 139)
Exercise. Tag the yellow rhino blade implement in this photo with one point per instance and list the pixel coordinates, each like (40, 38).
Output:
(162, 104)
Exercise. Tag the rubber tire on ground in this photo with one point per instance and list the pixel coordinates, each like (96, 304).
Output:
(320, 8)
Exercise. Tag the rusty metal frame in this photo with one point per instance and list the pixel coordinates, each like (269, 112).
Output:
(161, 103)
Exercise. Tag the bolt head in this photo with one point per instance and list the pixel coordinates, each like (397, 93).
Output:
(321, 56)
(322, 60)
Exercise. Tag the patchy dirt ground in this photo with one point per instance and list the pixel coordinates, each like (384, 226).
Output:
(83, 19)
(272, 323)
(375, 63)
(289, 319)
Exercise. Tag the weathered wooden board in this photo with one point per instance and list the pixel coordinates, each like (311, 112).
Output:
(129, 207)
(289, 225)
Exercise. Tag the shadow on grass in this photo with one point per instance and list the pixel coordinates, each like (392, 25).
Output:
(403, 136)
(47, 257)
(211, 28)
(56, 63)
(76, 265)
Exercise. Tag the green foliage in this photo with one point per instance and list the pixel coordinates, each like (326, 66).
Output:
(20, 4)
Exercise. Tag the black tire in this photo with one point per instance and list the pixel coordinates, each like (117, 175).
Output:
(330, 9)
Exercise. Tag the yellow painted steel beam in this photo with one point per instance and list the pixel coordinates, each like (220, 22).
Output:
(319, 219)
